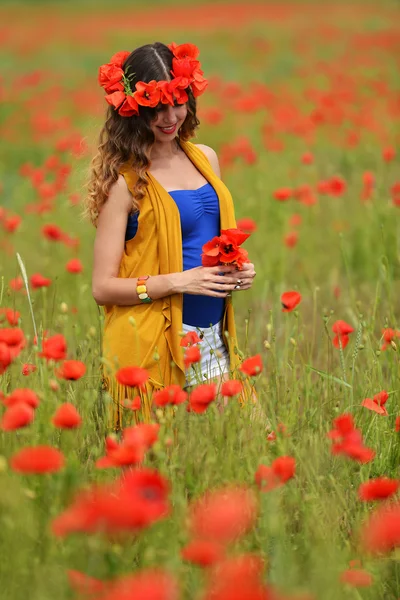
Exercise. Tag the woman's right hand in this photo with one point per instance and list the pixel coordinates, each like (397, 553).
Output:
(216, 281)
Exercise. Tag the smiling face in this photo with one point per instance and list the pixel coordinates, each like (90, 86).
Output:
(168, 121)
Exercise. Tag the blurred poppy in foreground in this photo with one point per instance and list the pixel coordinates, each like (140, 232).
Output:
(378, 489)
(348, 440)
(356, 578)
(37, 460)
(223, 515)
(381, 532)
(202, 552)
(135, 501)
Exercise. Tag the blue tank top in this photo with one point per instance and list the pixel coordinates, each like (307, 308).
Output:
(200, 221)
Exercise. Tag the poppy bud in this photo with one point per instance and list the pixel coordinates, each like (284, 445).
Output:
(267, 345)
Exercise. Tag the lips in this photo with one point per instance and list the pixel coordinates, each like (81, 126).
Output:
(168, 129)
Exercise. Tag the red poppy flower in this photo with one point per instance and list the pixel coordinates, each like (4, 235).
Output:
(223, 515)
(202, 396)
(135, 404)
(22, 395)
(11, 223)
(52, 232)
(247, 224)
(135, 501)
(28, 368)
(290, 300)
(171, 91)
(378, 489)
(172, 394)
(281, 470)
(199, 83)
(129, 108)
(192, 355)
(17, 416)
(11, 315)
(132, 377)
(342, 330)
(185, 67)
(252, 366)
(5, 357)
(337, 186)
(381, 533)
(356, 578)
(235, 235)
(290, 240)
(389, 335)
(283, 194)
(295, 220)
(184, 50)
(228, 249)
(377, 403)
(232, 387)
(17, 283)
(37, 459)
(67, 417)
(147, 94)
(189, 339)
(74, 266)
(388, 154)
(143, 434)
(110, 74)
(202, 552)
(348, 440)
(397, 425)
(54, 347)
(211, 252)
(149, 584)
(38, 281)
(307, 158)
(71, 370)
(116, 99)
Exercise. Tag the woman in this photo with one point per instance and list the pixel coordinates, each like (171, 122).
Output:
(155, 199)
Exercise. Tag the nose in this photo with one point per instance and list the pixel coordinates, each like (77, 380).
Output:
(169, 117)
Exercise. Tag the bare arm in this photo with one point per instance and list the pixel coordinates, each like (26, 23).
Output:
(108, 288)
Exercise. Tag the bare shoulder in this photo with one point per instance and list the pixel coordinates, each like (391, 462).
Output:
(119, 197)
(212, 157)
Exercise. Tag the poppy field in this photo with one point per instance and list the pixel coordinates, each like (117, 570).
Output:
(296, 497)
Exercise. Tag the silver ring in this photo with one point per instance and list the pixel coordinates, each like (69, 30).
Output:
(237, 287)
(239, 282)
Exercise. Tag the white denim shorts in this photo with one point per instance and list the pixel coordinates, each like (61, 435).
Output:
(214, 355)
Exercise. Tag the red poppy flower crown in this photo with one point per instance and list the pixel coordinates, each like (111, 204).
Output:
(186, 72)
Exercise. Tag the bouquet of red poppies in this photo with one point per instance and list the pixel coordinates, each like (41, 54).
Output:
(225, 249)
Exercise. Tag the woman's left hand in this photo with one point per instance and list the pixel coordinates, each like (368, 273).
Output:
(245, 277)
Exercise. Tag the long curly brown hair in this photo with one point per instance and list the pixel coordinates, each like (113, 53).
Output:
(130, 138)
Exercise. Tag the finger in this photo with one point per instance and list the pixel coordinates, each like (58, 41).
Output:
(216, 294)
(224, 286)
(222, 268)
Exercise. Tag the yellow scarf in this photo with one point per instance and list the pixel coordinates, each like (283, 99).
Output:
(148, 335)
